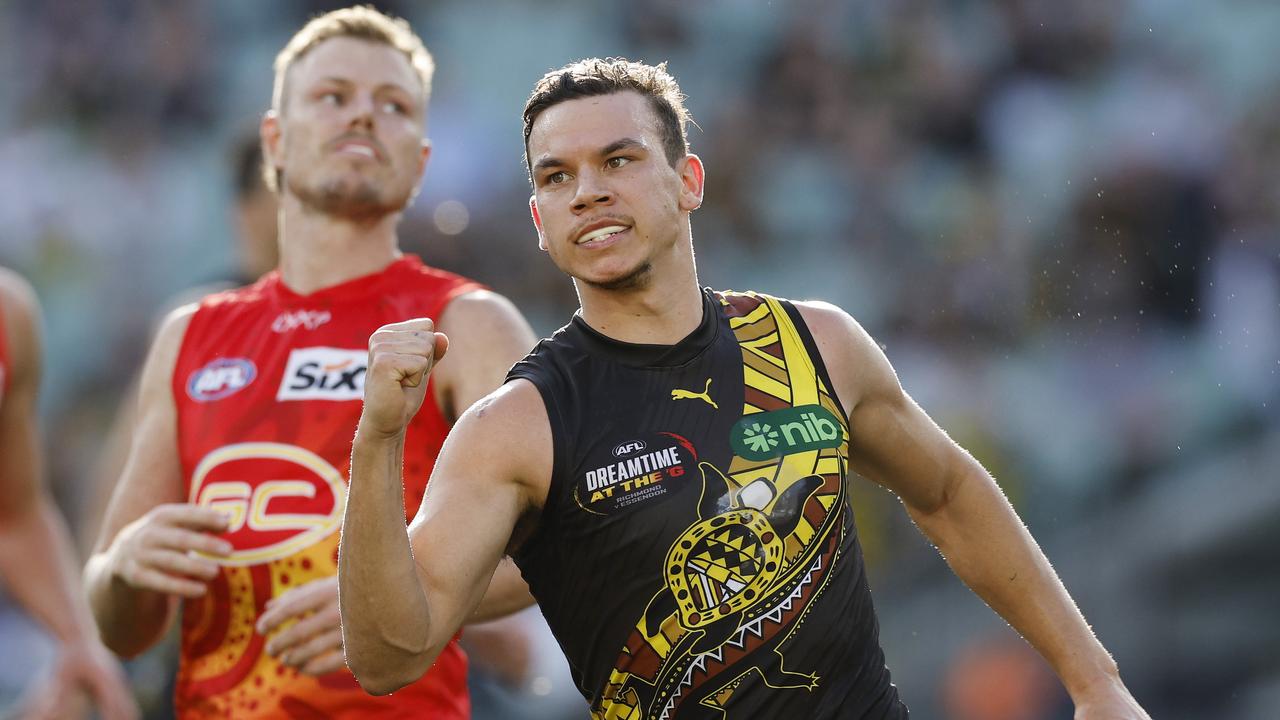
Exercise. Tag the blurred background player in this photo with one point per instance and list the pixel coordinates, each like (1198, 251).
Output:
(37, 557)
(234, 484)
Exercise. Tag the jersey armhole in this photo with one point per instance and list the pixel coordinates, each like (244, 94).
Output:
(811, 346)
(555, 419)
(183, 367)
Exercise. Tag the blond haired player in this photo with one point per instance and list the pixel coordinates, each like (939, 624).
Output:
(230, 502)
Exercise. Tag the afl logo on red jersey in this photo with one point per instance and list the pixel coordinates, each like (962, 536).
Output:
(220, 378)
(279, 498)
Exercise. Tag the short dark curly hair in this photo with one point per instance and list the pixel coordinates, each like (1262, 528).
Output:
(595, 76)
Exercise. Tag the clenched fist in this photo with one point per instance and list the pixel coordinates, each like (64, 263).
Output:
(400, 356)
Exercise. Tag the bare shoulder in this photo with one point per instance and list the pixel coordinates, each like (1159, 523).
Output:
(478, 306)
(508, 433)
(484, 320)
(856, 363)
(831, 324)
(164, 348)
(487, 335)
(17, 297)
(173, 328)
(515, 412)
(20, 324)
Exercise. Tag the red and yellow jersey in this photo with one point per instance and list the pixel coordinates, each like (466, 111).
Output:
(268, 387)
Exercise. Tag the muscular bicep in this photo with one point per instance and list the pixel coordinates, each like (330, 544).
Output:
(152, 472)
(492, 472)
(892, 441)
(900, 447)
(487, 335)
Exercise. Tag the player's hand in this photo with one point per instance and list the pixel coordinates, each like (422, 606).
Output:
(400, 356)
(82, 669)
(313, 643)
(1109, 701)
(158, 551)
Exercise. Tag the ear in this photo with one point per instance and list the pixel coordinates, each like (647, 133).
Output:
(537, 222)
(424, 154)
(691, 182)
(271, 132)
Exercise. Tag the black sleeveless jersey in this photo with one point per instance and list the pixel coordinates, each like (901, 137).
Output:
(696, 556)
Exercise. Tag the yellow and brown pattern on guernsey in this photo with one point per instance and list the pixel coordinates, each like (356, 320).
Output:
(226, 671)
(741, 579)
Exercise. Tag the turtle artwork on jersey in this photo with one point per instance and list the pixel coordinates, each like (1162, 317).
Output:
(740, 579)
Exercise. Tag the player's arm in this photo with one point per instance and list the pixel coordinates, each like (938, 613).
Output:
(961, 510)
(402, 599)
(487, 335)
(145, 559)
(37, 561)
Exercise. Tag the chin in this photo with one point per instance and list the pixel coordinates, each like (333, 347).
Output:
(637, 279)
(353, 198)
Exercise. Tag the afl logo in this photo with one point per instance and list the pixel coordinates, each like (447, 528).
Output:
(627, 448)
(280, 498)
(220, 378)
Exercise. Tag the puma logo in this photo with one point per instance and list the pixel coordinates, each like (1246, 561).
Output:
(679, 394)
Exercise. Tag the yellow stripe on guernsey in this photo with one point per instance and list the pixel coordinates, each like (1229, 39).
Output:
(802, 389)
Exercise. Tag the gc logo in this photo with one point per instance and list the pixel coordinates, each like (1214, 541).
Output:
(280, 498)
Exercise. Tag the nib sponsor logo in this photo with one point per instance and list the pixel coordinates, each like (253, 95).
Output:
(291, 320)
(761, 436)
(220, 378)
(324, 373)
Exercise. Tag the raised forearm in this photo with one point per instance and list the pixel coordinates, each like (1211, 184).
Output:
(386, 625)
(988, 547)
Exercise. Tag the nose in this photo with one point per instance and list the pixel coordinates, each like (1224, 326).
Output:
(361, 112)
(592, 191)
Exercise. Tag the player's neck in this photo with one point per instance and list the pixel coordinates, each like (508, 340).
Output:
(663, 312)
(319, 251)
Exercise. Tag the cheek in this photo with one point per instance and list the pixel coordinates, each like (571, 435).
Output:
(407, 151)
(297, 143)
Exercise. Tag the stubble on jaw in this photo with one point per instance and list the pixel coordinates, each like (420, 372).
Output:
(635, 280)
(358, 201)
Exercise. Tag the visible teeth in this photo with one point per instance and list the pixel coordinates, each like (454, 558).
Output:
(361, 149)
(601, 232)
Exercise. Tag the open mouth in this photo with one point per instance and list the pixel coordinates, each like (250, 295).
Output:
(600, 236)
(357, 147)
(358, 150)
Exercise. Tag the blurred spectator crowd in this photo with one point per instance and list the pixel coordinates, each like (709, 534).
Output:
(1061, 220)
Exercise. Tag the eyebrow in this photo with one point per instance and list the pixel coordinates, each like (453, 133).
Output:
(348, 83)
(613, 147)
(623, 144)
